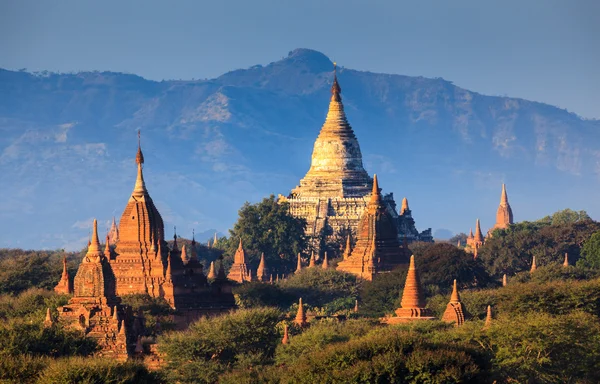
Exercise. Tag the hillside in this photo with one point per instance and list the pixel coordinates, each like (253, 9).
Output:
(68, 141)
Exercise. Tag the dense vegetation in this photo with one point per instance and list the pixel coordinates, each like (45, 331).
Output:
(546, 326)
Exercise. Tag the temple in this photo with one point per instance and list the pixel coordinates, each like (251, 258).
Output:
(334, 193)
(377, 247)
(412, 305)
(64, 286)
(95, 308)
(504, 214)
(474, 242)
(455, 310)
(239, 270)
(142, 263)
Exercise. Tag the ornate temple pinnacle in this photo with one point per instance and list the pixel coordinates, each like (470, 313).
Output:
(94, 247)
(455, 297)
(336, 90)
(140, 186)
(139, 157)
(375, 195)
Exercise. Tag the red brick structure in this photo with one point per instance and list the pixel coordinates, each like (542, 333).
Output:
(377, 247)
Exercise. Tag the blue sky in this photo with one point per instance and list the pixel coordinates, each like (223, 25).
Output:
(543, 50)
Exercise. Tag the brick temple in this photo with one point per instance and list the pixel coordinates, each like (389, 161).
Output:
(141, 262)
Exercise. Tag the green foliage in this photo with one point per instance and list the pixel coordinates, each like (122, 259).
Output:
(97, 371)
(30, 304)
(383, 355)
(243, 338)
(321, 287)
(553, 272)
(267, 227)
(511, 250)
(438, 265)
(566, 216)
(321, 334)
(154, 308)
(18, 337)
(590, 252)
(554, 297)
(382, 295)
(441, 263)
(22, 368)
(21, 270)
(534, 347)
(256, 294)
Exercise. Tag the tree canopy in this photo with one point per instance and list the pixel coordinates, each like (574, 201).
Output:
(267, 227)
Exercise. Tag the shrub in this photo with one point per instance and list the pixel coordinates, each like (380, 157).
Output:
(97, 371)
(244, 337)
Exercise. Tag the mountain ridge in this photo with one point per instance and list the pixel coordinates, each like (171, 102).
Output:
(212, 144)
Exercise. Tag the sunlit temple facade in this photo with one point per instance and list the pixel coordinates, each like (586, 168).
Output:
(335, 192)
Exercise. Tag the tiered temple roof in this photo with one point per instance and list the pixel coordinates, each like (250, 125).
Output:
(377, 247)
(334, 193)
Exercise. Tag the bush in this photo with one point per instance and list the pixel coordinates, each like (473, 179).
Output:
(97, 371)
(21, 270)
(320, 287)
(154, 309)
(239, 339)
(18, 337)
(30, 304)
(256, 294)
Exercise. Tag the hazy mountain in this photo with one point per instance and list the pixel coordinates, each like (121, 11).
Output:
(68, 142)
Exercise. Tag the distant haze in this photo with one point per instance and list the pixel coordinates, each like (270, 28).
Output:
(67, 144)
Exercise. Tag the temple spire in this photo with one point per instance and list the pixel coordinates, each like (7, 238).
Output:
(404, 208)
(312, 261)
(503, 196)
(478, 234)
(336, 90)
(566, 262)
(48, 322)
(211, 272)
(286, 336)
(325, 264)
(533, 265)
(412, 296)
(375, 195)
(300, 316)
(94, 253)
(504, 280)
(168, 274)
(107, 250)
(140, 186)
(261, 272)
(455, 297)
(348, 249)
(488, 317)
(175, 239)
(299, 265)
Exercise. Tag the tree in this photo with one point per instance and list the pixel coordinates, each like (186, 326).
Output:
(511, 250)
(590, 252)
(268, 227)
(566, 216)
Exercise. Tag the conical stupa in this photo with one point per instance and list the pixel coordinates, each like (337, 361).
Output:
(455, 310)
(412, 306)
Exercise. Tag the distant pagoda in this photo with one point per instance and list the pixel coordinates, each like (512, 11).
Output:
(336, 190)
(377, 247)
